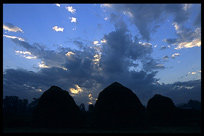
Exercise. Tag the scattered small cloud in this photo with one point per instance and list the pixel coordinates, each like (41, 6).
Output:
(71, 9)
(30, 57)
(39, 90)
(56, 28)
(42, 65)
(12, 28)
(73, 19)
(95, 42)
(186, 7)
(91, 99)
(14, 37)
(145, 44)
(165, 57)
(103, 41)
(106, 5)
(57, 5)
(69, 53)
(74, 28)
(174, 55)
(128, 13)
(25, 54)
(193, 73)
(164, 47)
(105, 18)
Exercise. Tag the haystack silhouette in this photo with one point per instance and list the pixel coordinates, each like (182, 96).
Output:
(118, 107)
(56, 108)
(161, 110)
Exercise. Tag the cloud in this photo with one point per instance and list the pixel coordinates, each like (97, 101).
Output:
(165, 57)
(152, 15)
(106, 5)
(56, 28)
(184, 91)
(73, 19)
(12, 28)
(71, 9)
(186, 7)
(69, 53)
(197, 21)
(57, 5)
(164, 47)
(89, 69)
(174, 55)
(187, 38)
(77, 90)
(50, 58)
(26, 54)
(23, 52)
(105, 18)
(103, 41)
(95, 42)
(42, 65)
(14, 37)
(193, 73)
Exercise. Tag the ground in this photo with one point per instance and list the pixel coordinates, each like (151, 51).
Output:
(150, 130)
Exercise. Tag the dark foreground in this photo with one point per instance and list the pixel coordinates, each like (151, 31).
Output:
(150, 130)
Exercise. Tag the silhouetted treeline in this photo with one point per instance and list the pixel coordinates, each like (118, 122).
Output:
(117, 107)
(17, 112)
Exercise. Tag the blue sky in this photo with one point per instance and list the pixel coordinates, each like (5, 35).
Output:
(82, 48)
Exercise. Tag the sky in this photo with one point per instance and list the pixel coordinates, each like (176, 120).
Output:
(83, 48)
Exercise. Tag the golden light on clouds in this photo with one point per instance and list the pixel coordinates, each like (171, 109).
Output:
(103, 41)
(39, 90)
(69, 53)
(97, 58)
(193, 73)
(195, 42)
(76, 90)
(95, 42)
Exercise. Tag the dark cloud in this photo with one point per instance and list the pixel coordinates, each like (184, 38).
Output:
(152, 64)
(92, 67)
(49, 57)
(22, 83)
(181, 92)
(197, 21)
(165, 57)
(163, 47)
(148, 17)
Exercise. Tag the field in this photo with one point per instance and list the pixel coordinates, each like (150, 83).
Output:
(150, 130)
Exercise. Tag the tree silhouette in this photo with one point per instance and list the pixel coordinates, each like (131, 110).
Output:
(91, 108)
(82, 107)
(14, 111)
